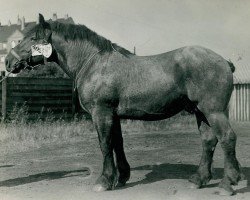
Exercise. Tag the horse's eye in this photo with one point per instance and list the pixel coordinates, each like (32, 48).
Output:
(45, 42)
(33, 38)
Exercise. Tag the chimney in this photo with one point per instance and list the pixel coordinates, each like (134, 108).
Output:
(66, 16)
(9, 23)
(54, 18)
(37, 20)
(23, 23)
(19, 22)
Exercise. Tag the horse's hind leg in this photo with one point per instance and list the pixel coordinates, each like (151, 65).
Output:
(122, 163)
(209, 141)
(220, 129)
(227, 139)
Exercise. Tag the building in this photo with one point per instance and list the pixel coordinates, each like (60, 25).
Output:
(239, 106)
(12, 34)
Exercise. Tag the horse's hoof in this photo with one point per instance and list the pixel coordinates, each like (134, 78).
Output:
(223, 192)
(120, 184)
(242, 177)
(194, 186)
(195, 181)
(99, 188)
(225, 188)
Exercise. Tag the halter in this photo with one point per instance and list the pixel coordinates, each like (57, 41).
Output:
(84, 67)
(12, 51)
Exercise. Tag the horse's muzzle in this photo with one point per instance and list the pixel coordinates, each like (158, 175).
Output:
(16, 67)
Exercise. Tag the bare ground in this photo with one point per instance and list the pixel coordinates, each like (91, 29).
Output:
(161, 163)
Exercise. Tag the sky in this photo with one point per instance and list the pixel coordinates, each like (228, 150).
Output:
(152, 26)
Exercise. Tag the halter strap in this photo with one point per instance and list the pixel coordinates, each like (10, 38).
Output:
(114, 48)
(84, 67)
(12, 51)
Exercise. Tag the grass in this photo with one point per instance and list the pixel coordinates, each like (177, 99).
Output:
(180, 122)
(19, 133)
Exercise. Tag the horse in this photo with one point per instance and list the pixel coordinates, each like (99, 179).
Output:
(115, 84)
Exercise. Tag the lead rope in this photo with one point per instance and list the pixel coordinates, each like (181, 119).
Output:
(18, 58)
(6, 75)
(85, 65)
(10, 73)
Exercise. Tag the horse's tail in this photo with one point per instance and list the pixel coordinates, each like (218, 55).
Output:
(231, 65)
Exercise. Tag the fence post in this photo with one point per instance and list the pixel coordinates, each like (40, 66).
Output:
(4, 96)
(73, 99)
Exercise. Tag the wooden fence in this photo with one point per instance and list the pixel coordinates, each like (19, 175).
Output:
(40, 96)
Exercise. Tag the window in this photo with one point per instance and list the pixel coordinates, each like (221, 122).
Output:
(2, 58)
(13, 44)
(4, 46)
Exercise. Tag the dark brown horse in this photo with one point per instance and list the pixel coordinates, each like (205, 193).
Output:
(114, 84)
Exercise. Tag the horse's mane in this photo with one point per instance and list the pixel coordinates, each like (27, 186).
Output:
(75, 32)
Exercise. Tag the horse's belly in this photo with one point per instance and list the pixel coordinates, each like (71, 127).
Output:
(150, 110)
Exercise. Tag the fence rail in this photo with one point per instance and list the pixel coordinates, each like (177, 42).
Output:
(39, 95)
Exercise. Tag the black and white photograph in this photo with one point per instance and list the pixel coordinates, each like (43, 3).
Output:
(124, 100)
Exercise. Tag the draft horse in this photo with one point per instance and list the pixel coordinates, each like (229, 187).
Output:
(115, 84)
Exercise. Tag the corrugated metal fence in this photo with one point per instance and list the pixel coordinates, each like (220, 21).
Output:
(239, 105)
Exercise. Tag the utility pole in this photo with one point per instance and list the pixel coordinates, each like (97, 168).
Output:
(134, 50)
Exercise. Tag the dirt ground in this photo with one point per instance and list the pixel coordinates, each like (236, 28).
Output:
(161, 163)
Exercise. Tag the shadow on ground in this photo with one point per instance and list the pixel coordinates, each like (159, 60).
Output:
(44, 176)
(6, 166)
(181, 171)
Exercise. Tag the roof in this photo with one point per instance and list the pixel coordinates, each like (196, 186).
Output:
(3, 51)
(241, 74)
(69, 20)
(6, 31)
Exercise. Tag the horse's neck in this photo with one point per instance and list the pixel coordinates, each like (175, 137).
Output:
(73, 55)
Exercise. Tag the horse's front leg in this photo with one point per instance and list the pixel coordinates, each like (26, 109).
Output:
(103, 119)
(122, 163)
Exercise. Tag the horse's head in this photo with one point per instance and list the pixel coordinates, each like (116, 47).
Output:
(32, 50)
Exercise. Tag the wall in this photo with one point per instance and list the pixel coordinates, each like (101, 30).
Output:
(16, 37)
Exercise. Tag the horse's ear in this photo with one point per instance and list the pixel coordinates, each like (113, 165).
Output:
(41, 19)
(46, 32)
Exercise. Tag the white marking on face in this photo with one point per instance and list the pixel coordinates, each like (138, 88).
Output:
(41, 49)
